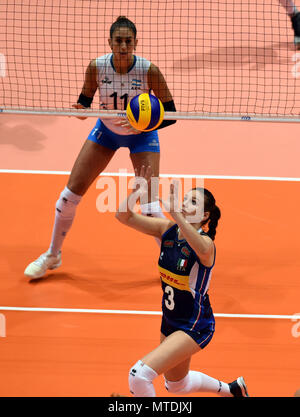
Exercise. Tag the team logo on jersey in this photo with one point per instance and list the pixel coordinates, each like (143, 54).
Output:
(136, 84)
(182, 264)
(169, 243)
(161, 255)
(106, 80)
(153, 143)
(185, 251)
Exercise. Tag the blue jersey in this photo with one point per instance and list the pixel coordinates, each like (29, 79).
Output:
(185, 281)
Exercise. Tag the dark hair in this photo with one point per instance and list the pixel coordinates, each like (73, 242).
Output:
(215, 213)
(122, 21)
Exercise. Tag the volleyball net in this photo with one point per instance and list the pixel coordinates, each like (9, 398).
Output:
(229, 59)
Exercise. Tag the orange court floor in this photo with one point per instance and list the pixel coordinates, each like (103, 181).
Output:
(77, 331)
(111, 271)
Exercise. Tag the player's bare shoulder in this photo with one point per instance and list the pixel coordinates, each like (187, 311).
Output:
(90, 83)
(154, 72)
(92, 67)
(157, 83)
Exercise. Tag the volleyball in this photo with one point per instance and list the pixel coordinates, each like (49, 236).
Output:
(145, 112)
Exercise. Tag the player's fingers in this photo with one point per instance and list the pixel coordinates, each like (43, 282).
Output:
(175, 187)
(142, 171)
(172, 189)
(149, 171)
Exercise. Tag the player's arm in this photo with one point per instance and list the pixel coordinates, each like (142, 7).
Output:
(202, 245)
(152, 226)
(158, 85)
(89, 88)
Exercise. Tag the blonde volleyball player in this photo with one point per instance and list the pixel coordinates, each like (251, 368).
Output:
(185, 265)
(119, 76)
(294, 15)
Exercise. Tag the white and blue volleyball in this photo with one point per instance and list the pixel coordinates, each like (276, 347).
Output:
(145, 112)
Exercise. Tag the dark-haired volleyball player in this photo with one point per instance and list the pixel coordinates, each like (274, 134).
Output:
(119, 76)
(185, 265)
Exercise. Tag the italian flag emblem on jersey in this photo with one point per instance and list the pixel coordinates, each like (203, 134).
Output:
(181, 264)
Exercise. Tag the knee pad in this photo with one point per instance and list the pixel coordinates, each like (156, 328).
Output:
(67, 203)
(178, 386)
(140, 380)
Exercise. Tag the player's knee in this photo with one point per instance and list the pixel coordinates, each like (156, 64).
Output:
(137, 381)
(67, 203)
(177, 386)
(140, 380)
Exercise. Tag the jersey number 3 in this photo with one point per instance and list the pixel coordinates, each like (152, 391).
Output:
(169, 302)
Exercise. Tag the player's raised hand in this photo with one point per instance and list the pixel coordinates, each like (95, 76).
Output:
(172, 205)
(145, 172)
(142, 183)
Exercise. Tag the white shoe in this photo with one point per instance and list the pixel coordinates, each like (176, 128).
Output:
(39, 267)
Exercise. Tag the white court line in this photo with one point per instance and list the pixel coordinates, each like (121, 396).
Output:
(134, 312)
(126, 174)
(140, 312)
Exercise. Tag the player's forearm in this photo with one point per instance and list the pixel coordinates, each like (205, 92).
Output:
(195, 240)
(124, 212)
(89, 88)
(90, 85)
(168, 106)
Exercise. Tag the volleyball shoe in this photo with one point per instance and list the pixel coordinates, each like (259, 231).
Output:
(39, 267)
(238, 388)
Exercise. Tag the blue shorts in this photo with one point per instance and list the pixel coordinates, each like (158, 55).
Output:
(201, 337)
(144, 142)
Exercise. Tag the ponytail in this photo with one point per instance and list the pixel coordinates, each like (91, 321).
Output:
(214, 217)
(215, 213)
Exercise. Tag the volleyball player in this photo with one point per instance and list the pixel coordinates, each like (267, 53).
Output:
(294, 15)
(185, 265)
(119, 76)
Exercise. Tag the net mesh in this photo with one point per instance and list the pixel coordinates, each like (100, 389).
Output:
(230, 57)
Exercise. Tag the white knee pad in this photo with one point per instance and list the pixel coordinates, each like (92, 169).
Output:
(140, 380)
(67, 203)
(178, 386)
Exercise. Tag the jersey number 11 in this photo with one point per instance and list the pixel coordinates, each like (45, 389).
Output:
(123, 97)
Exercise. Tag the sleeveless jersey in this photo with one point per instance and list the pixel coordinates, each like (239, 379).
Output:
(116, 89)
(185, 281)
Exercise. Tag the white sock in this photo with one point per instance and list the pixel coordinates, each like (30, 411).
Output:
(289, 6)
(198, 382)
(140, 380)
(64, 216)
(152, 208)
